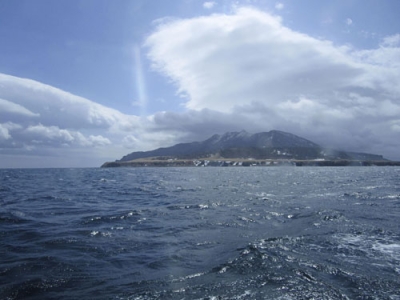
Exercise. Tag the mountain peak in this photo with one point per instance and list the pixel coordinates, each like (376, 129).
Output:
(217, 138)
(235, 135)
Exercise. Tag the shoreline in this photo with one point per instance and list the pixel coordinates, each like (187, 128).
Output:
(245, 163)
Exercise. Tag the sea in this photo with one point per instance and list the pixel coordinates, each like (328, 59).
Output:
(200, 233)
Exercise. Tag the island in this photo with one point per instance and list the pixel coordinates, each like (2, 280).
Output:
(241, 149)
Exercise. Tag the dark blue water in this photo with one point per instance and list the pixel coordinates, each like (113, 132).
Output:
(200, 233)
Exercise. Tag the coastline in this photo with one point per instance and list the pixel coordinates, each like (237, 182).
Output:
(245, 163)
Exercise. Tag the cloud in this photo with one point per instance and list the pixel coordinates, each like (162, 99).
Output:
(53, 135)
(391, 41)
(249, 67)
(140, 82)
(36, 118)
(4, 134)
(245, 57)
(54, 106)
(279, 6)
(209, 5)
(10, 108)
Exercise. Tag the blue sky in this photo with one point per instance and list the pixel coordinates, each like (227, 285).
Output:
(83, 82)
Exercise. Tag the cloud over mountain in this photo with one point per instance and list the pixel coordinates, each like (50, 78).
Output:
(250, 66)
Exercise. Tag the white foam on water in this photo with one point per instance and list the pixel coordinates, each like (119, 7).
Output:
(393, 196)
(370, 187)
(392, 250)
(352, 239)
(19, 214)
(381, 251)
(275, 214)
(117, 228)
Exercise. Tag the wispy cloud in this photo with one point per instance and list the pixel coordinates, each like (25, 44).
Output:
(391, 41)
(279, 6)
(140, 83)
(209, 4)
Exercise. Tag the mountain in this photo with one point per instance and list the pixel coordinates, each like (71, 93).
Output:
(265, 145)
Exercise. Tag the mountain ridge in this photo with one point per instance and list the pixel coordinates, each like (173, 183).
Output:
(273, 144)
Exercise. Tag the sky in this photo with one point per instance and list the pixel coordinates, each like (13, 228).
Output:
(84, 82)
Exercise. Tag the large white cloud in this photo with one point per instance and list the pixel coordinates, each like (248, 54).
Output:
(250, 67)
(223, 61)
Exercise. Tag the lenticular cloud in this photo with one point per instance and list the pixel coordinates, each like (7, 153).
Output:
(37, 116)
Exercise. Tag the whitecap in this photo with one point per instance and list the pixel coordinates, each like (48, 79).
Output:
(392, 250)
